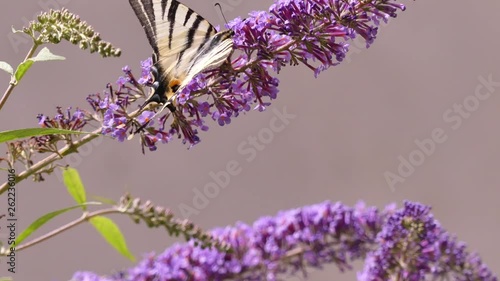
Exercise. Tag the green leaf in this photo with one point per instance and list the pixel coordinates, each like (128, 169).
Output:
(6, 279)
(110, 231)
(6, 67)
(74, 185)
(46, 55)
(43, 220)
(22, 68)
(33, 132)
(43, 55)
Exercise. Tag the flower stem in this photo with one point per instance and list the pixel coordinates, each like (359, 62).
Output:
(68, 149)
(13, 82)
(85, 217)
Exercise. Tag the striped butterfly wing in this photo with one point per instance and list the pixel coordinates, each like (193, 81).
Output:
(184, 43)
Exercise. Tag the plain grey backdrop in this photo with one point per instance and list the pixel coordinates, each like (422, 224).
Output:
(353, 124)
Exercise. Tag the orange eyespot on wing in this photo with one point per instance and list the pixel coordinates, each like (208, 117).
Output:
(174, 85)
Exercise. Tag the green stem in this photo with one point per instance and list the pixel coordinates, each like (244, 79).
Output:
(13, 83)
(84, 218)
(68, 149)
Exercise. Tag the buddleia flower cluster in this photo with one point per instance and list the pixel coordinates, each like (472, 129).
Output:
(309, 32)
(25, 151)
(69, 119)
(414, 246)
(405, 244)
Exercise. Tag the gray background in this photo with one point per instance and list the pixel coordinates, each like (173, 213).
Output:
(351, 125)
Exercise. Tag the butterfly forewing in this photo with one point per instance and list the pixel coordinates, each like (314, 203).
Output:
(144, 10)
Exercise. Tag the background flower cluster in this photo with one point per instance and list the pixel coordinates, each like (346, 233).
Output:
(404, 244)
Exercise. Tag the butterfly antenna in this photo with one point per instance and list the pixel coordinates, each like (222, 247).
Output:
(221, 12)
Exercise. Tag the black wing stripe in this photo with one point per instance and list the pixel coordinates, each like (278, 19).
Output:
(145, 13)
(188, 16)
(164, 4)
(207, 36)
(172, 10)
(190, 36)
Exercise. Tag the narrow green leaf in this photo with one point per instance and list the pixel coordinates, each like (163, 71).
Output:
(110, 231)
(6, 279)
(74, 185)
(33, 132)
(22, 68)
(46, 55)
(43, 220)
(6, 67)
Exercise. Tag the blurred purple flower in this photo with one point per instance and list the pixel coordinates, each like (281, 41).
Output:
(287, 243)
(65, 120)
(89, 276)
(68, 120)
(146, 66)
(204, 109)
(413, 246)
(145, 117)
(222, 118)
(407, 244)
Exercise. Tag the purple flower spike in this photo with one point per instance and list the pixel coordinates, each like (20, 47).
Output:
(309, 32)
(406, 244)
(413, 246)
(269, 249)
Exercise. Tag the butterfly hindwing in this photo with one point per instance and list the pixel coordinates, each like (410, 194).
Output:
(212, 54)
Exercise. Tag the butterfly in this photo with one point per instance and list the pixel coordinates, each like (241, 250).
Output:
(184, 44)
